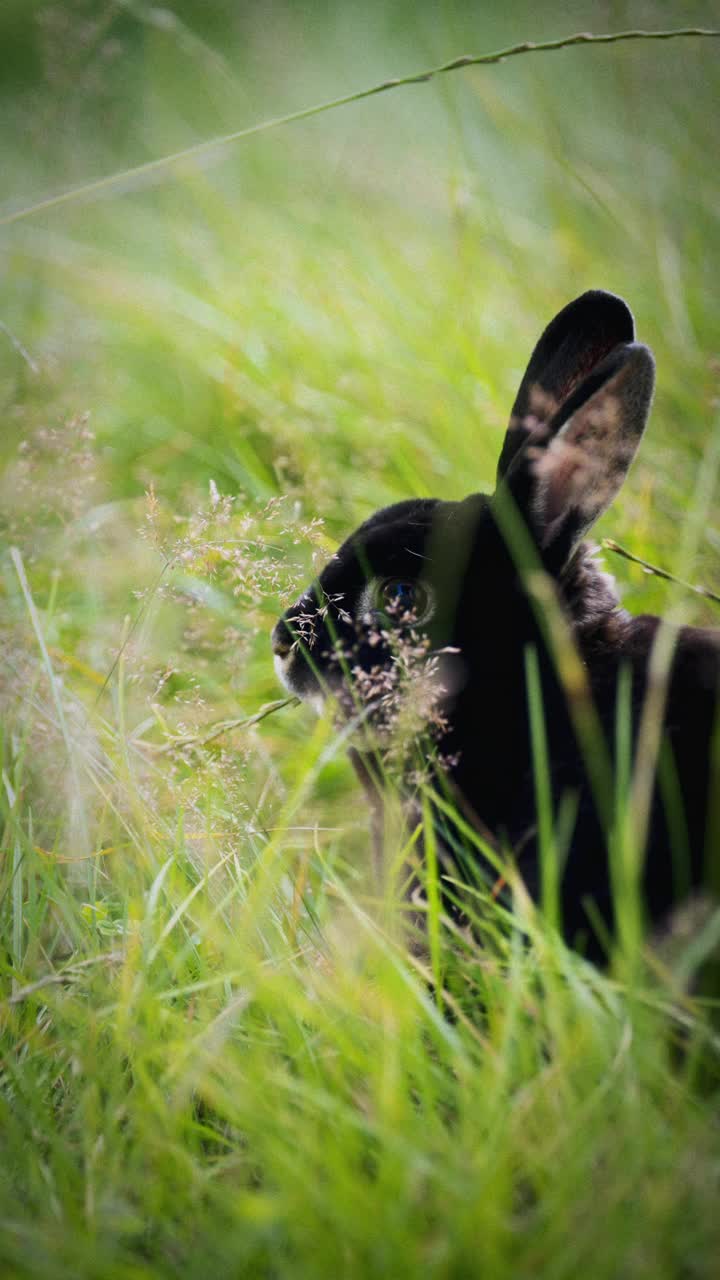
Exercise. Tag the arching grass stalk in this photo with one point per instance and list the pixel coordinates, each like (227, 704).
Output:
(132, 178)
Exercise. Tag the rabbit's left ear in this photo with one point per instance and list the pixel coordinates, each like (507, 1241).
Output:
(572, 345)
(570, 468)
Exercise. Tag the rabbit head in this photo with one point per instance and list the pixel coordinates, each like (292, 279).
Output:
(442, 586)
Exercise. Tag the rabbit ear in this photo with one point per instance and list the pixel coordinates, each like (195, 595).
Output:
(572, 466)
(574, 343)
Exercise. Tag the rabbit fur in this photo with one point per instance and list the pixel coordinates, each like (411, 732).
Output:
(470, 586)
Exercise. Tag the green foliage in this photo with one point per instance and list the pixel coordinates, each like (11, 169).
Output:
(218, 1054)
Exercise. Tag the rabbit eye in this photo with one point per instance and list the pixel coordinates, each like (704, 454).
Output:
(397, 597)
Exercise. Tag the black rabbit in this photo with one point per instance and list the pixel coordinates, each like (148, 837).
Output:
(477, 594)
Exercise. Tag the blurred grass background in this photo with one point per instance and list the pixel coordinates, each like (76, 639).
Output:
(208, 378)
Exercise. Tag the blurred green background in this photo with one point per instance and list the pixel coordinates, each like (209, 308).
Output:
(208, 375)
(333, 314)
(336, 312)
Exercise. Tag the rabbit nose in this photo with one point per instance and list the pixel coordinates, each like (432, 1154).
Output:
(281, 640)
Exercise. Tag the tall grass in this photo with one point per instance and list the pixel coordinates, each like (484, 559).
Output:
(218, 1054)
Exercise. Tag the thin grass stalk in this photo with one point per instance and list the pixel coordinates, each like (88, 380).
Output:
(432, 889)
(626, 856)
(562, 648)
(130, 178)
(548, 849)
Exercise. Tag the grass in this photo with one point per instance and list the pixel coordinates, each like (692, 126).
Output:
(217, 1053)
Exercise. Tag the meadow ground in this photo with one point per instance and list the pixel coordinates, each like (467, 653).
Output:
(217, 1056)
